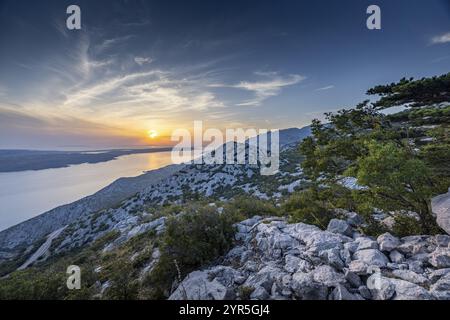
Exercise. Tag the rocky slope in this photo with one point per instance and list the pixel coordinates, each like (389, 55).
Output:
(122, 205)
(270, 258)
(277, 260)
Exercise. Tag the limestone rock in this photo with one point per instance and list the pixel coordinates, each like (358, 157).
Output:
(340, 226)
(388, 242)
(440, 258)
(371, 257)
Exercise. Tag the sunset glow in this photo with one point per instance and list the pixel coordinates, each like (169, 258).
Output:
(152, 134)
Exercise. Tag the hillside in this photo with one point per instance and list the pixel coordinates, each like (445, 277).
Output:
(349, 216)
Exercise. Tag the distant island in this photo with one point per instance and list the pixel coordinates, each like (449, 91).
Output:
(21, 160)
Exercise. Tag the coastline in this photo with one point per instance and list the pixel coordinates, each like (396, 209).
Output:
(32, 160)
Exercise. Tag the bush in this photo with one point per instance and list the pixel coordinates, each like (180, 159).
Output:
(190, 241)
(317, 205)
(406, 226)
(244, 207)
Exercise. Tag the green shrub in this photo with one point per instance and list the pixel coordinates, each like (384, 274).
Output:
(406, 226)
(311, 206)
(190, 241)
(244, 207)
(245, 292)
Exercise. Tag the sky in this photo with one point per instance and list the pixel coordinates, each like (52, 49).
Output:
(140, 66)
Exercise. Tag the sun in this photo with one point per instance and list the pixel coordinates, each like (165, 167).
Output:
(152, 134)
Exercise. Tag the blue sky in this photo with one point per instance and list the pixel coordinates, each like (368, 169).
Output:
(159, 65)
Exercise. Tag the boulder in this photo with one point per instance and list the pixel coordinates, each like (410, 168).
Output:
(358, 267)
(332, 257)
(441, 289)
(341, 293)
(292, 263)
(351, 246)
(371, 257)
(440, 258)
(259, 294)
(388, 242)
(405, 290)
(440, 205)
(305, 288)
(366, 243)
(340, 226)
(260, 279)
(327, 275)
(396, 257)
(353, 279)
(437, 274)
(315, 239)
(415, 265)
(410, 276)
(442, 240)
(413, 245)
(381, 288)
(365, 292)
(198, 286)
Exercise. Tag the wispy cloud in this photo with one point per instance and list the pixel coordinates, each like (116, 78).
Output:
(440, 39)
(109, 43)
(143, 60)
(146, 92)
(325, 88)
(265, 89)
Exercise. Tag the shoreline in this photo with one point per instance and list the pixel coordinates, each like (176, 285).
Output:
(14, 161)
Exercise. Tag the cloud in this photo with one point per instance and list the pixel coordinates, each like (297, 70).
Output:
(444, 38)
(325, 88)
(265, 89)
(145, 92)
(19, 129)
(143, 60)
(109, 43)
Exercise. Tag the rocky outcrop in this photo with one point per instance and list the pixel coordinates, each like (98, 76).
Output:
(441, 207)
(277, 260)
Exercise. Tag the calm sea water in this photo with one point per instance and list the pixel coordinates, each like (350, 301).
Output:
(26, 194)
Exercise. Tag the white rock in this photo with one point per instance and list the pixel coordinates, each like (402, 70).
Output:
(341, 293)
(340, 226)
(305, 288)
(442, 240)
(388, 242)
(441, 289)
(259, 294)
(358, 267)
(327, 275)
(440, 258)
(381, 288)
(437, 274)
(405, 290)
(371, 257)
(366, 243)
(198, 286)
(396, 256)
(410, 276)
